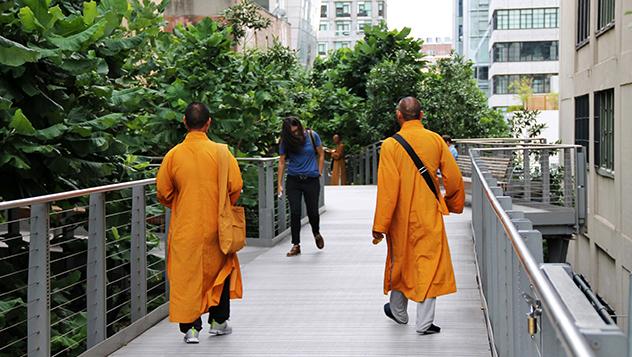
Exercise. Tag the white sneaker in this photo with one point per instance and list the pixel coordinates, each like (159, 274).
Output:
(192, 336)
(218, 329)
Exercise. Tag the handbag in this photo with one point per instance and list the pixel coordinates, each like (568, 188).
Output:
(232, 219)
(421, 168)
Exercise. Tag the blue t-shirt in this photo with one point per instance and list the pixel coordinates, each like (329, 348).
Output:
(304, 162)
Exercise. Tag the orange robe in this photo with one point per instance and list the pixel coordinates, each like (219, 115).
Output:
(418, 262)
(196, 267)
(339, 173)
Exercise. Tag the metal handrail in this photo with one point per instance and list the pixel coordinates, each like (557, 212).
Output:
(99, 189)
(73, 194)
(497, 140)
(562, 322)
(529, 147)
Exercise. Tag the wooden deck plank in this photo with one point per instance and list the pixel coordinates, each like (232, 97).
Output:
(329, 303)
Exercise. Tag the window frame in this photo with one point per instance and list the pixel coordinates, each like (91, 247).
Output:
(326, 7)
(605, 19)
(582, 24)
(344, 4)
(604, 131)
(582, 121)
(367, 12)
(322, 44)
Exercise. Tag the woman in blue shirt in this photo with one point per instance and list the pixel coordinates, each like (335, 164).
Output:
(302, 152)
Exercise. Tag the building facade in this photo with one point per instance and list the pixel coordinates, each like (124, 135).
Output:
(342, 22)
(511, 40)
(303, 18)
(193, 11)
(595, 107)
(436, 48)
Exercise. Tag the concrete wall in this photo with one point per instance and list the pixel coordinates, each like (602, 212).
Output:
(604, 251)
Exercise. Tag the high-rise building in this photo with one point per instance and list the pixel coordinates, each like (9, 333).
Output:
(342, 22)
(595, 107)
(436, 48)
(303, 18)
(511, 40)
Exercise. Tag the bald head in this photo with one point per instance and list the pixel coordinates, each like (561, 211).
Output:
(410, 108)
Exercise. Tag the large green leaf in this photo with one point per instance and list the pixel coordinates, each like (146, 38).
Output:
(14, 54)
(28, 20)
(106, 122)
(4, 103)
(21, 124)
(89, 12)
(52, 132)
(80, 40)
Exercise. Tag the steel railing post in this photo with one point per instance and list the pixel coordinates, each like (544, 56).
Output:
(546, 176)
(38, 291)
(138, 255)
(374, 164)
(527, 174)
(568, 179)
(96, 276)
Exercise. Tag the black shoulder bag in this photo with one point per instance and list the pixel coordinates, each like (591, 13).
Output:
(418, 163)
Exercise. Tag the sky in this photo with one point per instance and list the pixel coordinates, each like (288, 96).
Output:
(426, 18)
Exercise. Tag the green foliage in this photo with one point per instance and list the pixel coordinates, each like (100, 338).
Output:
(524, 124)
(454, 105)
(245, 15)
(523, 88)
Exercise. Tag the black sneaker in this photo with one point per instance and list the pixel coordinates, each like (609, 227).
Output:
(430, 330)
(389, 314)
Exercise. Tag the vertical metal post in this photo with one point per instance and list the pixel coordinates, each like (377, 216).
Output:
(269, 169)
(138, 263)
(367, 166)
(282, 212)
(38, 291)
(374, 164)
(546, 176)
(568, 179)
(166, 242)
(629, 318)
(321, 197)
(527, 174)
(580, 185)
(96, 279)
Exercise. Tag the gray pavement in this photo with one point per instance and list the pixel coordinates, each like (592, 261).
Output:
(329, 302)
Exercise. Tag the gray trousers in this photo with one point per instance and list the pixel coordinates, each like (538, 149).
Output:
(425, 310)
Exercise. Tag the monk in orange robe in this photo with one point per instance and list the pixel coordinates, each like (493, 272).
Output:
(201, 277)
(418, 263)
(339, 172)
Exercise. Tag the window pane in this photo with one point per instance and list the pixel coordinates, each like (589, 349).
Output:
(526, 18)
(514, 19)
(323, 10)
(538, 18)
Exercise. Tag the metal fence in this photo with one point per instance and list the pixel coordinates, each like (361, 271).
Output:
(362, 167)
(534, 309)
(86, 269)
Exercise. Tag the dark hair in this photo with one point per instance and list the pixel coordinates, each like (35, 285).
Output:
(339, 136)
(410, 108)
(196, 115)
(447, 139)
(293, 143)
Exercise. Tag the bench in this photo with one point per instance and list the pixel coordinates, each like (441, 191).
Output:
(497, 166)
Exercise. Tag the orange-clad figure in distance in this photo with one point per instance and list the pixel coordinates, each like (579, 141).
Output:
(339, 172)
(409, 213)
(201, 277)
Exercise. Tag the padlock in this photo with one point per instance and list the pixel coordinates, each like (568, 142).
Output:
(532, 322)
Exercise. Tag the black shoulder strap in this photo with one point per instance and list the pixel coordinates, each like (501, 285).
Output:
(420, 165)
(311, 136)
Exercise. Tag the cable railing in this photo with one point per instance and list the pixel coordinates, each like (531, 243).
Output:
(85, 270)
(534, 309)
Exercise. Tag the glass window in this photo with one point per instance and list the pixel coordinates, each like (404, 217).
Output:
(526, 18)
(380, 8)
(540, 83)
(323, 26)
(362, 24)
(343, 28)
(605, 15)
(343, 9)
(583, 22)
(364, 9)
(322, 48)
(550, 18)
(342, 44)
(501, 21)
(323, 10)
(604, 129)
(525, 51)
(538, 18)
(514, 19)
(582, 123)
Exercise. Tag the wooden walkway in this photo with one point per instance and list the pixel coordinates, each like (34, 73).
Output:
(329, 303)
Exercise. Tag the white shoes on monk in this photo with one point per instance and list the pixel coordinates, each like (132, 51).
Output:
(192, 336)
(218, 329)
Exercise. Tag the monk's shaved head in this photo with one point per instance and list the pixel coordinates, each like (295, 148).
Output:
(410, 108)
